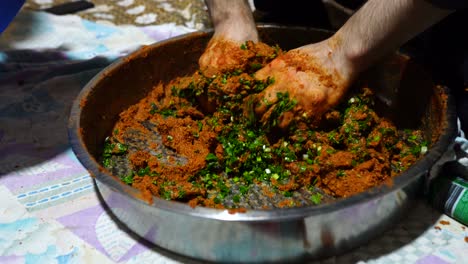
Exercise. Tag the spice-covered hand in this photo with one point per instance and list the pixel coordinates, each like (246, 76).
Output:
(233, 25)
(317, 75)
(314, 76)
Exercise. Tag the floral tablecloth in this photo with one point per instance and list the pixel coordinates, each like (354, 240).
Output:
(49, 209)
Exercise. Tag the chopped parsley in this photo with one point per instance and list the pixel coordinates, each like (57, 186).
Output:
(111, 149)
(164, 112)
(128, 179)
(316, 198)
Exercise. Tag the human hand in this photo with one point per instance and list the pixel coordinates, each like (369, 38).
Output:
(315, 76)
(233, 25)
(222, 54)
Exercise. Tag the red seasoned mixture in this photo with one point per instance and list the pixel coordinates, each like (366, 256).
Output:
(197, 140)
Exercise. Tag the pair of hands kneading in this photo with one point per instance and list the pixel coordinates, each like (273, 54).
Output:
(313, 75)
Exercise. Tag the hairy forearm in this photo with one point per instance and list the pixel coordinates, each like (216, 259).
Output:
(232, 19)
(380, 27)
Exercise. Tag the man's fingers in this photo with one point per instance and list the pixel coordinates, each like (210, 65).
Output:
(270, 69)
(248, 108)
(263, 73)
(285, 119)
(265, 100)
(222, 55)
(266, 116)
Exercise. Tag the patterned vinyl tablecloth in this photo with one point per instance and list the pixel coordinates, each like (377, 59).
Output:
(49, 209)
(190, 13)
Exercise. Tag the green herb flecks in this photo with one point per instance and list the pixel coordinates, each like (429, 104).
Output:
(341, 173)
(192, 91)
(283, 104)
(316, 198)
(255, 66)
(110, 149)
(128, 179)
(248, 155)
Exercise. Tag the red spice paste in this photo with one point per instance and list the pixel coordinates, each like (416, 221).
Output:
(206, 147)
